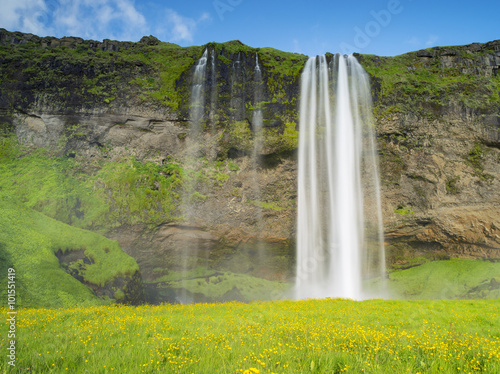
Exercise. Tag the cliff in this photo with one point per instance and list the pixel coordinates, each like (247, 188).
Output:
(115, 117)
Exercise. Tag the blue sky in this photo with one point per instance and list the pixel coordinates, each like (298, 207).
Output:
(382, 27)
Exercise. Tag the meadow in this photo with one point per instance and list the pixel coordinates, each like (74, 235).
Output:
(310, 336)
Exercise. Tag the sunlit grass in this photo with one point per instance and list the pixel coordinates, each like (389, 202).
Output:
(321, 336)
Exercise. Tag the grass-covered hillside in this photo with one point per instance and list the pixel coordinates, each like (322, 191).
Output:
(447, 279)
(32, 243)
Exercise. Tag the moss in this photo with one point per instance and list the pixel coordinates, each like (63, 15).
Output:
(452, 279)
(233, 166)
(222, 286)
(451, 185)
(282, 139)
(266, 205)
(403, 211)
(119, 295)
(30, 240)
(240, 136)
(89, 194)
(93, 77)
(409, 84)
(475, 159)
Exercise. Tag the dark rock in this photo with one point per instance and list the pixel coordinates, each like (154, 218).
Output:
(149, 40)
(424, 53)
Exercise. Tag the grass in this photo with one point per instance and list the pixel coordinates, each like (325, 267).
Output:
(96, 195)
(219, 285)
(409, 84)
(310, 336)
(99, 194)
(28, 243)
(96, 77)
(453, 279)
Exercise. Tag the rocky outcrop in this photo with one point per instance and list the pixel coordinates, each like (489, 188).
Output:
(440, 182)
(475, 58)
(122, 289)
(19, 38)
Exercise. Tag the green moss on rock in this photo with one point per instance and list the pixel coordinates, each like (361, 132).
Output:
(30, 241)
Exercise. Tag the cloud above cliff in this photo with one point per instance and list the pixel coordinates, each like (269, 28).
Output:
(417, 43)
(98, 19)
(24, 15)
(177, 28)
(91, 19)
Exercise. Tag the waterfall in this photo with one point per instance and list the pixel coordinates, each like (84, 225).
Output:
(257, 120)
(190, 254)
(198, 93)
(339, 222)
(237, 89)
(258, 140)
(213, 93)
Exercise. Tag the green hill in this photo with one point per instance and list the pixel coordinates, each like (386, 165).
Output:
(453, 279)
(33, 243)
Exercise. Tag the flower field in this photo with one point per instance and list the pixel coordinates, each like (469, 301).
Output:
(310, 336)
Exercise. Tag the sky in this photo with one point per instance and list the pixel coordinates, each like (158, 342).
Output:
(381, 27)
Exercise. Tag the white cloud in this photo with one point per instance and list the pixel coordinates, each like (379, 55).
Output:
(96, 19)
(100, 19)
(180, 28)
(24, 15)
(431, 41)
(418, 43)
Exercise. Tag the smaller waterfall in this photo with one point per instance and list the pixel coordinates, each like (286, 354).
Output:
(238, 89)
(257, 119)
(213, 92)
(258, 140)
(198, 93)
(190, 255)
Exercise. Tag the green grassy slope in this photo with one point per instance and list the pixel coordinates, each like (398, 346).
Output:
(28, 243)
(454, 279)
(94, 195)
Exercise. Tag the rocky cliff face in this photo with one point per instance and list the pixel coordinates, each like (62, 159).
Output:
(437, 121)
(438, 128)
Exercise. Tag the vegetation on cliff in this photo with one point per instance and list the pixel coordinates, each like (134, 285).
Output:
(426, 83)
(73, 74)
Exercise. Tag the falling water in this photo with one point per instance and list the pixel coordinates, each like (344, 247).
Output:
(257, 120)
(196, 114)
(190, 251)
(257, 128)
(339, 224)
(213, 92)
(198, 93)
(238, 89)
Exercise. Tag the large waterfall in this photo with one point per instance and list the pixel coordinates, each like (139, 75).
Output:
(339, 224)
